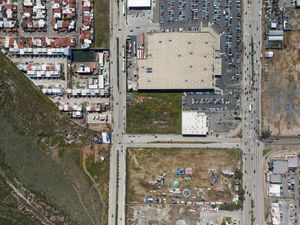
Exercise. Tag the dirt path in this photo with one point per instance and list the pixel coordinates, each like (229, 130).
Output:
(21, 196)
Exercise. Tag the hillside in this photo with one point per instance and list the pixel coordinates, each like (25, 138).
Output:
(41, 176)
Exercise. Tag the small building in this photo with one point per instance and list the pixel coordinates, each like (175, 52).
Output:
(280, 166)
(273, 25)
(194, 123)
(292, 161)
(139, 4)
(274, 190)
(275, 178)
(105, 138)
(269, 54)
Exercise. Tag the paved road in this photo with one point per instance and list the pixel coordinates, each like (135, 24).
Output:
(117, 184)
(182, 145)
(149, 138)
(252, 148)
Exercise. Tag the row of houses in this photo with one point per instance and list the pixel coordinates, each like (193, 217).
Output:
(34, 15)
(76, 111)
(39, 71)
(80, 93)
(37, 42)
(38, 46)
(8, 15)
(87, 26)
(63, 15)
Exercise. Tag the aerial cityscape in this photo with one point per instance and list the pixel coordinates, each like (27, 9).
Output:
(149, 112)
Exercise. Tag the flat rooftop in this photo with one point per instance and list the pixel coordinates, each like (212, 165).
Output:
(194, 123)
(180, 61)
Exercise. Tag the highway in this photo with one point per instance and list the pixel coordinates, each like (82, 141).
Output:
(251, 105)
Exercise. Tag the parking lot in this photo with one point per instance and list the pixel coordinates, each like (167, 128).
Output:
(222, 110)
(223, 15)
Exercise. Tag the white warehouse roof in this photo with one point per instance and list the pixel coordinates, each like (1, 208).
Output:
(194, 123)
(139, 3)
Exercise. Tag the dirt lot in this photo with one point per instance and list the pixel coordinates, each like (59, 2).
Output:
(165, 215)
(146, 165)
(294, 17)
(281, 93)
(160, 214)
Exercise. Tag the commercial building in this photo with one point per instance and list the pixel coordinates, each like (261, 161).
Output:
(194, 123)
(280, 166)
(139, 4)
(180, 61)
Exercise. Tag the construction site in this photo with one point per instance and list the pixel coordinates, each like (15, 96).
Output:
(181, 178)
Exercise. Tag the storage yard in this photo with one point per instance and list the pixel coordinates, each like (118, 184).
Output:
(181, 178)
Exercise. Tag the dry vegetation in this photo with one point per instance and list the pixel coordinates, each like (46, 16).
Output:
(147, 164)
(281, 93)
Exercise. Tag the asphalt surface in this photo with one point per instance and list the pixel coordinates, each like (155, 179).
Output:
(251, 102)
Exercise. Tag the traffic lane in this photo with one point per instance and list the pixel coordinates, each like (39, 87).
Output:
(147, 138)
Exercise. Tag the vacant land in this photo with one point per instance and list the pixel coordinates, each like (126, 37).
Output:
(154, 113)
(294, 17)
(146, 165)
(281, 95)
(34, 151)
(101, 18)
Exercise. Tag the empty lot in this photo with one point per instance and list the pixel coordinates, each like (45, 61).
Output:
(154, 113)
(281, 93)
(144, 165)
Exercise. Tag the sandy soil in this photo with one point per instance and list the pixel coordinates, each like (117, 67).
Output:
(146, 165)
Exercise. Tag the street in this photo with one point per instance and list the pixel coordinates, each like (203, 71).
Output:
(251, 105)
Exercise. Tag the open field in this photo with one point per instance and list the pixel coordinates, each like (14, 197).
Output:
(154, 113)
(146, 165)
(281, 89)
(60, 181)
(44, 168)
(294, 17)
(101, 18)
